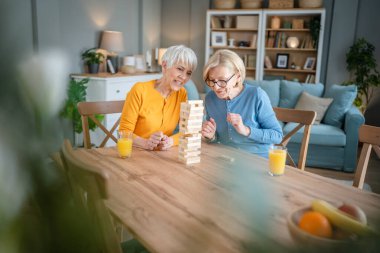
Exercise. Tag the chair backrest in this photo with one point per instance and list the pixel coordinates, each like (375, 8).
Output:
(370, 137)
(89, 188)
(304, 119)
(89, 109)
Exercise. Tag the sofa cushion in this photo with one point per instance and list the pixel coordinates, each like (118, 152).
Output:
(290, 92)
(272, 88)
(321, 134)
(312, 103)
(343, 98)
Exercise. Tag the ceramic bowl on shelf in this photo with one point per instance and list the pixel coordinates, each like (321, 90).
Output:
(304, 238)
(224, 4)
(251, 4)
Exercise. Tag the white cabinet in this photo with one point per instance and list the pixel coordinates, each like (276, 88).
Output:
(107, 87)
(258, 40)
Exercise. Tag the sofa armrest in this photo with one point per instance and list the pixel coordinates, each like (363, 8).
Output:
(353, 120)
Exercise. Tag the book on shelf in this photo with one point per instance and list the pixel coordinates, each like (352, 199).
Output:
(251, 61)
(310, 78)
(215, 22)
(254, 41)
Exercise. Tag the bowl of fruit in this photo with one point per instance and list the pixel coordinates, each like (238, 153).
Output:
(323, 224)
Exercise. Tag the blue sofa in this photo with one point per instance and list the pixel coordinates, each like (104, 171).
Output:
(333, 143)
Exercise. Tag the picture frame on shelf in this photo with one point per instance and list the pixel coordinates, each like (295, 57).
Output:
(309, 63)
(219, 39)
(282, 61)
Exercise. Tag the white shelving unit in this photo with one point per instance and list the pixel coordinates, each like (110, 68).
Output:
(215, 25)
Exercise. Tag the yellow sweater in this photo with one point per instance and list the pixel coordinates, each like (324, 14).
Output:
(146, 111)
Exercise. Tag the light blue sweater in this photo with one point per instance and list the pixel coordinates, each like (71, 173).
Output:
(256, 111)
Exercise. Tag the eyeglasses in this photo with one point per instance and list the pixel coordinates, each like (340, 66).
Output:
(220, 83)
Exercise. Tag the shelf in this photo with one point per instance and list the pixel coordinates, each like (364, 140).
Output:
(233, 30)
(291, 49)
(235, 48)
(288, 30)
(291, 71)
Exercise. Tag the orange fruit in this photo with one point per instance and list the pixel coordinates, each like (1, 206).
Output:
(316, 223)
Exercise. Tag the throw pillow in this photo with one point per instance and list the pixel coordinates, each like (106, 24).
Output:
(312, 103)
(291, 91)
(343, 98)
(272, 88)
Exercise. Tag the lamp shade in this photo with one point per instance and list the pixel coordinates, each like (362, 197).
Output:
(112, 41)
(161, 52)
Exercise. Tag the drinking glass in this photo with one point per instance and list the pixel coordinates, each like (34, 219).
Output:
(277, 160)
(124, 143)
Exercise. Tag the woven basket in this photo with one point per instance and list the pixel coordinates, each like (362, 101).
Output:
(251, 4)
(310, 3)
(224, 4)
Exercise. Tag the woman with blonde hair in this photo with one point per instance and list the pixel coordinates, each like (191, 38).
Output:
(151, 109)
(237, 114)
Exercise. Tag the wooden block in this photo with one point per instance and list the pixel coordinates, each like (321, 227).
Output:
(188, 154)
(190, 160)
(191, 139)
(191, 121)
(297, 23)
(189, 146)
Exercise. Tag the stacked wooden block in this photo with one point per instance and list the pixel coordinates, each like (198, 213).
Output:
(190, 125)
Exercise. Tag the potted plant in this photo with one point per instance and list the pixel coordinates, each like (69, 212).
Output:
(77, 93)
(362, 66)
(315, 27)
(92, 59)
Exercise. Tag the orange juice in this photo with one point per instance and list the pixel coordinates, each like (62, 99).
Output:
(124, 147)
(277, 158)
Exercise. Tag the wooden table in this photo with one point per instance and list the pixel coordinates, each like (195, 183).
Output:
(218, 205)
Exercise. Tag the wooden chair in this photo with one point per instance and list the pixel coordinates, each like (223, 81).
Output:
(370, 137)
(89, 109)
(89, 188)
(304, 119)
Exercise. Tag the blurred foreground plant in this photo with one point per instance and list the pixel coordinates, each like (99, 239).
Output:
(36, 209)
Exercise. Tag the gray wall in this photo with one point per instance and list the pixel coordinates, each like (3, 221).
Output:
(75, 25)
(183, 22)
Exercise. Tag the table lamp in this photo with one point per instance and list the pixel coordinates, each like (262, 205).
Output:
(161, 52)
(112, 41)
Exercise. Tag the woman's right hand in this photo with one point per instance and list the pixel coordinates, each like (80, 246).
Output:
(209, 129)
(154, 140)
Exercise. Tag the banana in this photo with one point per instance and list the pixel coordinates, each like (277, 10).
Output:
(340, 219)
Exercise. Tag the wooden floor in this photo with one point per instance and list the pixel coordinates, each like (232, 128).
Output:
(372, 176)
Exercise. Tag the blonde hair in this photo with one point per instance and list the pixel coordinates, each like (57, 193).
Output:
(180, 54)
(228, 59)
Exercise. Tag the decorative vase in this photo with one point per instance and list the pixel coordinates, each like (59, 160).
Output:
(275, 23)
(93, 68)
(292, 42)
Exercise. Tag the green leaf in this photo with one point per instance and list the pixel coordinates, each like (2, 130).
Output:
(76, 93)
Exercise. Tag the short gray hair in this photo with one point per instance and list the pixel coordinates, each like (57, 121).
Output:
(180, 54)
(228, 59)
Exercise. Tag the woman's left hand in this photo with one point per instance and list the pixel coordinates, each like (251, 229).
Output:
(165, 143)
(237, 122)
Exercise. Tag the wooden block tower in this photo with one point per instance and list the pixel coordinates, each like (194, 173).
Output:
(190, 125)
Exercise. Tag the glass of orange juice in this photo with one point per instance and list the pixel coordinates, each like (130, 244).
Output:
(277, 160)
(124, 143)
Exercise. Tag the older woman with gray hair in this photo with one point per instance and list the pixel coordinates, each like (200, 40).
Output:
(237, 114)
(151, 109)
